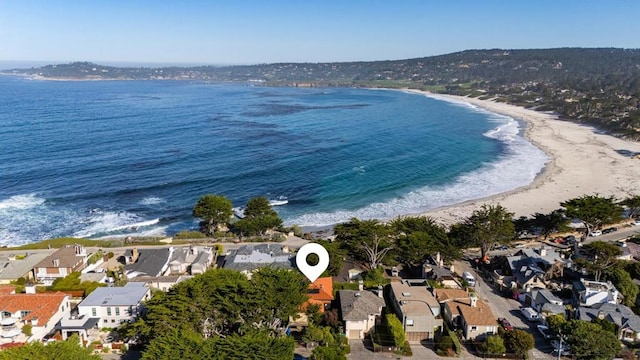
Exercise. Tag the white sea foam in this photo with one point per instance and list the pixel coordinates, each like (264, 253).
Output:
(518, 167)
(106, 222)
(152, 200)
(21, 202)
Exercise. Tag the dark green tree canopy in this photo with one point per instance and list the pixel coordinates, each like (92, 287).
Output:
(485, 227)
(69, 349)
(259, 217)
(554, 221)
(214, 210)
(601, 255)
(593, 210)
(633, 205)
(518, 341)
(368, 240)
(590, 341)
(419, 237)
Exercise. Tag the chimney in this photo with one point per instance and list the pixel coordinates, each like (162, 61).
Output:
(34, 321)
(135, 254)
(77, 249)
(360, 285)
(543, 251)
(438, 260)
(601, 315)
(285, 249)
(380, 292)
(30, 289)
(451, 269)
(474, 299)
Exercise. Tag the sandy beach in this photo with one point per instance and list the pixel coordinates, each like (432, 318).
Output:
(583, 162)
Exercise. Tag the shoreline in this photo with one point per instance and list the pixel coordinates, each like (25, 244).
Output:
(581, 162)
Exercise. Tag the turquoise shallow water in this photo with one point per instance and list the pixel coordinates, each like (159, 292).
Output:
(132, 157)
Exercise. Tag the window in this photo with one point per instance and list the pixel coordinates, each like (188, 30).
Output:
(409, 322)
(24, 313)
(108, 311)
(93, 312)
(117, 311)
(474, 328)
(113, 320)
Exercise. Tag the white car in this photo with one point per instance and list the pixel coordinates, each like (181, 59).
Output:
(595, 233)
(556, 345)
(544, 331)
(636, 222)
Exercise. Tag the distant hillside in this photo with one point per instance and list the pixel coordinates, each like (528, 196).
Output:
(600, 86)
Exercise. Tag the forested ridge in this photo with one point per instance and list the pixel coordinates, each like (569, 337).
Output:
(596, 86)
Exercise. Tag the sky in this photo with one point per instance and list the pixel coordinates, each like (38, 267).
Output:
(255, 32)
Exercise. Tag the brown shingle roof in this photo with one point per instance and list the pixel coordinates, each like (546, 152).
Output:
(450, 294)
(66, 256)
(479, 315)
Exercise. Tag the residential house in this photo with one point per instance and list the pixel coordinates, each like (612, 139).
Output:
(589, 293)
(466, 312)
(545, 303)
(249, 258)
(115, 305)
(100, 277)
(42, 311)
(627, 253)
(320, 293)
(532, 268)
(626, 321)
(359, 311)
(190, 260)
(87, 328)
(434, 269)
(147, 262)
(163, 283)
(417, 308)
(15, 266)
(61, 263)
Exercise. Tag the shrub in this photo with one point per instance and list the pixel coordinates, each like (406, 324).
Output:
(26, 329)
(494, 345)
(185, 234)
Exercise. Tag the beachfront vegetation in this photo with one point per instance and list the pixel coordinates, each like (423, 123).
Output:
(214, 210)
(220, 313)
(259, 218)
(593, 210)
(486, 227)
(369, 240)
(553, 222)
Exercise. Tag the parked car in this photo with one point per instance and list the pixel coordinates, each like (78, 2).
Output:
(570, 240)
(530, 314)
(595, 233)
(505, 324)
(609, 230)
(563, 352)
(502, 247)
(544, 330)
(636, 222)
(559, 240)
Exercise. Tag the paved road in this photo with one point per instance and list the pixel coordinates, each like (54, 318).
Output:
(509, 309)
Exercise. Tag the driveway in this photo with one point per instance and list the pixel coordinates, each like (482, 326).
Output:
(360, 352)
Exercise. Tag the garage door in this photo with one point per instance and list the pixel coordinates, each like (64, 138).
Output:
(354, 334)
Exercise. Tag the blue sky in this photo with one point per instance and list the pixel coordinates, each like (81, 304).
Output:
(250, 32)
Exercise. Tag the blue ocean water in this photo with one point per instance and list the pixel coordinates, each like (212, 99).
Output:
(115, 158)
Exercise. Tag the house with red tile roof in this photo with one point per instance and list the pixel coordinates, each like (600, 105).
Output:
(61, 263)
(42, 311)
(320, 292)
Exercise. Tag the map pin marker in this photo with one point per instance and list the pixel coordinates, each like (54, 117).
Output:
(312, 272)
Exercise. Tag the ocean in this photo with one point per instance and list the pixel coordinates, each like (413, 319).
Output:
(131, 158)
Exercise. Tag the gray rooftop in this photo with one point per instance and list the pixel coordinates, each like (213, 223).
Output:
(619, 314)
(128, 295)
(151, 262)
(13, 269)
(253, 257)
(356, 307)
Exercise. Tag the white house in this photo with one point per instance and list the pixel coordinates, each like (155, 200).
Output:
(41, 311)
(358, 311)
(115, 305)
(589, 293)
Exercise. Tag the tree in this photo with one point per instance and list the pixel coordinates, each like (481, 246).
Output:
(69, 349)
(633, 205)
(622, 280)
(397, 330)
(214, 210)
(419, 237)
(556, 323)
(494, 344)
(601, 256)
(368, 240)
(590, 341)
(593, 210)
(490, 225)
(259, 217)
(337, 254)
(518, 341)
(328, 353)
(554, 221)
